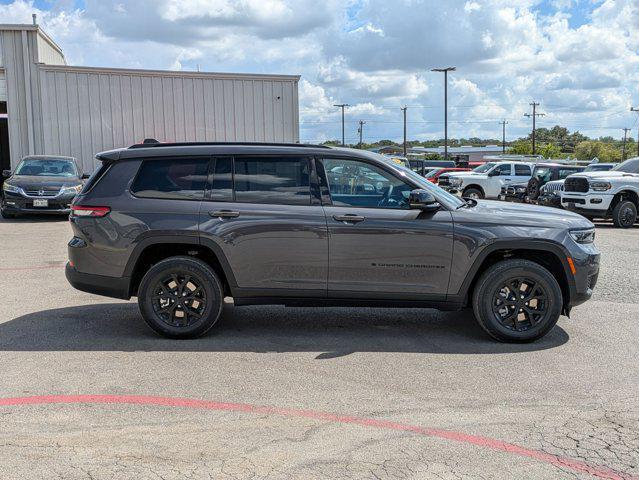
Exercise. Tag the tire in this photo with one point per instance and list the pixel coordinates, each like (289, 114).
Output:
(491, 288)
(473, 193)
(624, 215)
(190, 297)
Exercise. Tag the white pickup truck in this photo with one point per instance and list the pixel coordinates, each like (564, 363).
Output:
(486, 180)
(612, 194)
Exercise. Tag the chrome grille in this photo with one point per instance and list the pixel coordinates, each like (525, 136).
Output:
(553, 187)
(443, 180)
(43, 192)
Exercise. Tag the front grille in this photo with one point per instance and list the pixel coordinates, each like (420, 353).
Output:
(576, 184)
(443, 180)
(42, 192)
(510, 190)
(553, 187)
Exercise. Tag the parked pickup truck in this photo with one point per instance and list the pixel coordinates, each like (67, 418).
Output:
(486, 180)
(613, 194)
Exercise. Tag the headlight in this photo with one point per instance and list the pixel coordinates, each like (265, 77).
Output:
(455, 182)
(600, 186)
(75, 190)
(583, 236)
(7, 187)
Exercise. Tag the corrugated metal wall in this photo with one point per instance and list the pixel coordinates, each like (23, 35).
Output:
(88, 110)
(48, 52)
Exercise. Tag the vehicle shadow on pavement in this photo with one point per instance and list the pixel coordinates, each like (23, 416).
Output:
(334, 331)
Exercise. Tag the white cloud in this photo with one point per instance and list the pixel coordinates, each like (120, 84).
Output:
(377, 55)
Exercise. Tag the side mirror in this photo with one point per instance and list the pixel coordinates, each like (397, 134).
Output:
(6, 173)
(421, 199)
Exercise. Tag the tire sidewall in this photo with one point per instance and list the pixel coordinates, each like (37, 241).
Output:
(205, 276)
(494, 278)
(619, 209)
(472, 189)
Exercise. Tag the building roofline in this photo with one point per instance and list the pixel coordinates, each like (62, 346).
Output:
(27, 27)
(176, 73)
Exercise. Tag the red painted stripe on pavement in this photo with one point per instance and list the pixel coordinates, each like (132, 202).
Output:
(476, 440)
(32, 267)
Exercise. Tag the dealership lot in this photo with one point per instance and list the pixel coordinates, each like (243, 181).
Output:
(272, 375)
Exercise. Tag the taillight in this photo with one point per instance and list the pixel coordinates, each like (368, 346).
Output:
(87, 211)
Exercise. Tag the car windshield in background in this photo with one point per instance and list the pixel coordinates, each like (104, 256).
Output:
(484, 168)
(629, 166)
(432, 173)
(543, 174)
(47, 168)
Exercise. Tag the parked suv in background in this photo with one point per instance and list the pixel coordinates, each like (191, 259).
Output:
(486, 180)
(181, 226)
(613, 194)
(550, 192)
(542, 174)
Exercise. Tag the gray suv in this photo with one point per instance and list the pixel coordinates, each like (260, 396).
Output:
(181, 226)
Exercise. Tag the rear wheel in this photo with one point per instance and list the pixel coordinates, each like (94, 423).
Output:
(624, 215)
(517, 301)
(180, 297)
(473, 193)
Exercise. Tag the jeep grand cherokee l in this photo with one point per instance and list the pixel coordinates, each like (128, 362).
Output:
(181, 226)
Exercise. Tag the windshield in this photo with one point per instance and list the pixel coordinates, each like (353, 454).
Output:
(437, 191)
(484, 168)
(629, 166)
(543, 174)
(42, 167)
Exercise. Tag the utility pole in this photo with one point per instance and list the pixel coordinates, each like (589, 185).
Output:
(636, 109)
(623, 152)
(534, 116)
(404, 111)
(445, 70)
(360, 130)
(342, 106)
(503, 135)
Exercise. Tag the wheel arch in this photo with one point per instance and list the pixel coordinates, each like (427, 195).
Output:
(548, 254)
(625, 194)
(476, 187)
(154, 249)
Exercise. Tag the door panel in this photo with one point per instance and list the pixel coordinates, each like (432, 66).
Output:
(389, 252)
(272, 249)
(377, 245)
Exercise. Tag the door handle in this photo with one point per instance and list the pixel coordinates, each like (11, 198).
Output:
(349, 218)
(224, 214)
(507, 179)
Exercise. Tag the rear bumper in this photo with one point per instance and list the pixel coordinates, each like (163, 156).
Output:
(98, 284)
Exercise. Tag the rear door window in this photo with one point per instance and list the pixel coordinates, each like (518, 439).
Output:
(172, 178)
(522, 170)
(274, 180)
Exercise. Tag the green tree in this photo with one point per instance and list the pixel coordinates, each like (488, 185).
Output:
(521, 147)
(550, 150)
(604, 151)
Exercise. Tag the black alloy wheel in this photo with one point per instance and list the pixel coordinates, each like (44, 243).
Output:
(179, 300)
(520, 303)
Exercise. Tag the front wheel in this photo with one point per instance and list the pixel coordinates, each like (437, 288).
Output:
(473, 193)
(180, 297)
(624, 215)
(517, 301)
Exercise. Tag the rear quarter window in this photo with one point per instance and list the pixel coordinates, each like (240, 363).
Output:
(171, 178)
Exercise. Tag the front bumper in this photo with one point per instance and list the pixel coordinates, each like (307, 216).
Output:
(586, 260)
(591, 201)
(549, 201)
(20, 204)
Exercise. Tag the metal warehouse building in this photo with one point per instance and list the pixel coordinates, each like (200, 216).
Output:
(48, 107)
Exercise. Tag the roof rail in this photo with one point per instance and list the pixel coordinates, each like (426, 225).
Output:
(152, 143)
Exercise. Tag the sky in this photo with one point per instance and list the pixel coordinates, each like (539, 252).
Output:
(579, 59)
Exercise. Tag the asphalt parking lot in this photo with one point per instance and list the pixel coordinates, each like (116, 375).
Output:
(88, 391)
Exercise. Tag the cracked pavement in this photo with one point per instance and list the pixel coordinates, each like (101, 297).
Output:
(573, 394)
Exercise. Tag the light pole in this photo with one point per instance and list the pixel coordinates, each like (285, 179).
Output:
(342, 106)
(445, 70)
